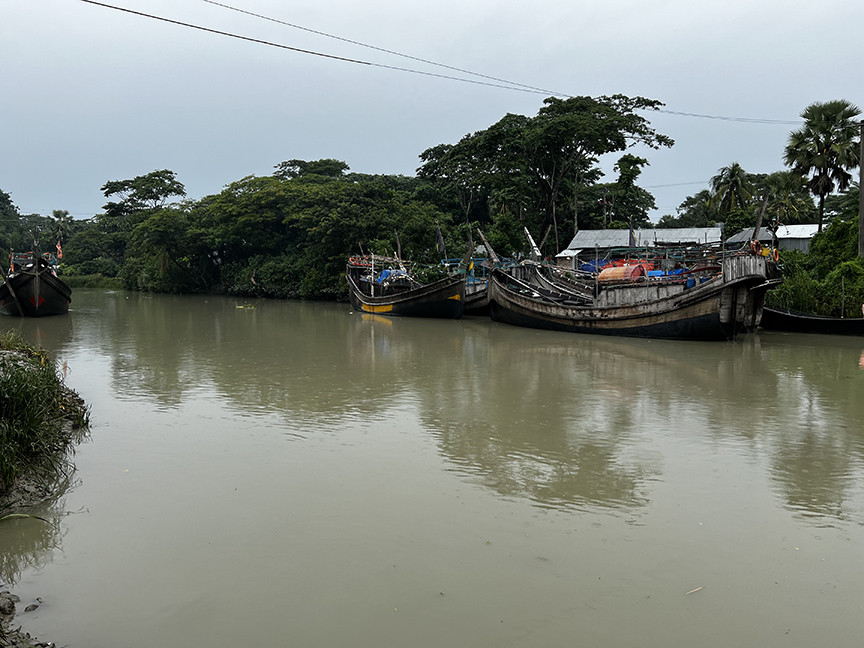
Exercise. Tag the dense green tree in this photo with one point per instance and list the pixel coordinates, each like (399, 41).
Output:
(328, 168)
(8, 222)
(458, 170)
(825, 148)
(789, 201)
(289, 237)
(14, 234)
(569, 134)
(631, 203)
(533, 167)
(829, 280)
(149, 191)
(139, 198)
(84, 252)
(844, 206)
(34, 230)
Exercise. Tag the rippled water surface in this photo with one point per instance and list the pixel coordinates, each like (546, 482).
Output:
(295, 474)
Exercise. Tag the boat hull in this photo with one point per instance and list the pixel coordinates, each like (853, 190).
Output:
(684, 324)
(778, 320)
(34, 294)
(442, 299)
(477, 298)
(718, 309)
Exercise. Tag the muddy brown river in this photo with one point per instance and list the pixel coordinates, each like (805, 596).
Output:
(274, 473)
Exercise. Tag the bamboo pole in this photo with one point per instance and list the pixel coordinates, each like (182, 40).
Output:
(861, 194)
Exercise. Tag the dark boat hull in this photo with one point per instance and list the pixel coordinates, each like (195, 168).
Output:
(443, 299)
(34, 294)
(477, 298)
(779, 320)
(685, 325)
(716, 310)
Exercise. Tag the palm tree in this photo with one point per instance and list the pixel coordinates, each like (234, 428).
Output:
(789, 201)
(824, 148)
(731, 188)
(63, 220)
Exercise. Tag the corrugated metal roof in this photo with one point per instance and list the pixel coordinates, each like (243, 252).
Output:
(612, 238)
(805, 231)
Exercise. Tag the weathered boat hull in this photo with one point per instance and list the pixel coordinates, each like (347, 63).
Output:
(774, 319)
(717, 309)
(443, 299)
(34, 294)
(477, 298)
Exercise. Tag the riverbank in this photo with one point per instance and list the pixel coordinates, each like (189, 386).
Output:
(15, 637)
(40, 422)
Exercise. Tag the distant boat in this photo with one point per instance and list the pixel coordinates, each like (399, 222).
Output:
(31, 288)
(775, 319)
(713, 301)
(383, 286)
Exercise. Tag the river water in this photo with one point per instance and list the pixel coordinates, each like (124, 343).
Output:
(294, 474)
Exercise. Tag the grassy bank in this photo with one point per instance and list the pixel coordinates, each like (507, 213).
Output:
(40, 418)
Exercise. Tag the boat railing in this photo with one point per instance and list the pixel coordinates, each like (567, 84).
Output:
(663, 264)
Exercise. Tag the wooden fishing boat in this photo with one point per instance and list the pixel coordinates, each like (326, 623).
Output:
(715, 301)
(476, 296)
(31, 288)
(383, 286)
(775, 319)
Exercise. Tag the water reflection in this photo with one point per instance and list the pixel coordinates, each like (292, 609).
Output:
(48, 332)
(30, 542)
(561, 420)
(818, 425)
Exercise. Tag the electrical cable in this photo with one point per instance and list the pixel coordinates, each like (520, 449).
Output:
(382, 49)
(305, 51)
(499, 83)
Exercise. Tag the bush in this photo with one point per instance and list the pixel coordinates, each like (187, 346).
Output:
(33, 409)
(841, 293)
(101, 266)
(797, 292)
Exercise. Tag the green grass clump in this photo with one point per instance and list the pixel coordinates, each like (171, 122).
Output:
(36, 411)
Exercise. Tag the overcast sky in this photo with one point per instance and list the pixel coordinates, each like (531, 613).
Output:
(92, 94)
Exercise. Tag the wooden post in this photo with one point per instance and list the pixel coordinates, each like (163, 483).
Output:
(861, 194)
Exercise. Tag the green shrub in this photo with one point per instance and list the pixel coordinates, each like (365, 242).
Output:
(33, 409)
(841, 293)
(797, 292)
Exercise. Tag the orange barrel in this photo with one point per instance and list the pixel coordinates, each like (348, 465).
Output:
(622, 273)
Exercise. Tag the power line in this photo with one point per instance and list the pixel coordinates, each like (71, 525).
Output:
(382, 49)
(499, 83)
(748, 120)
(221, 33)
(305, 51)
(477, 74)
